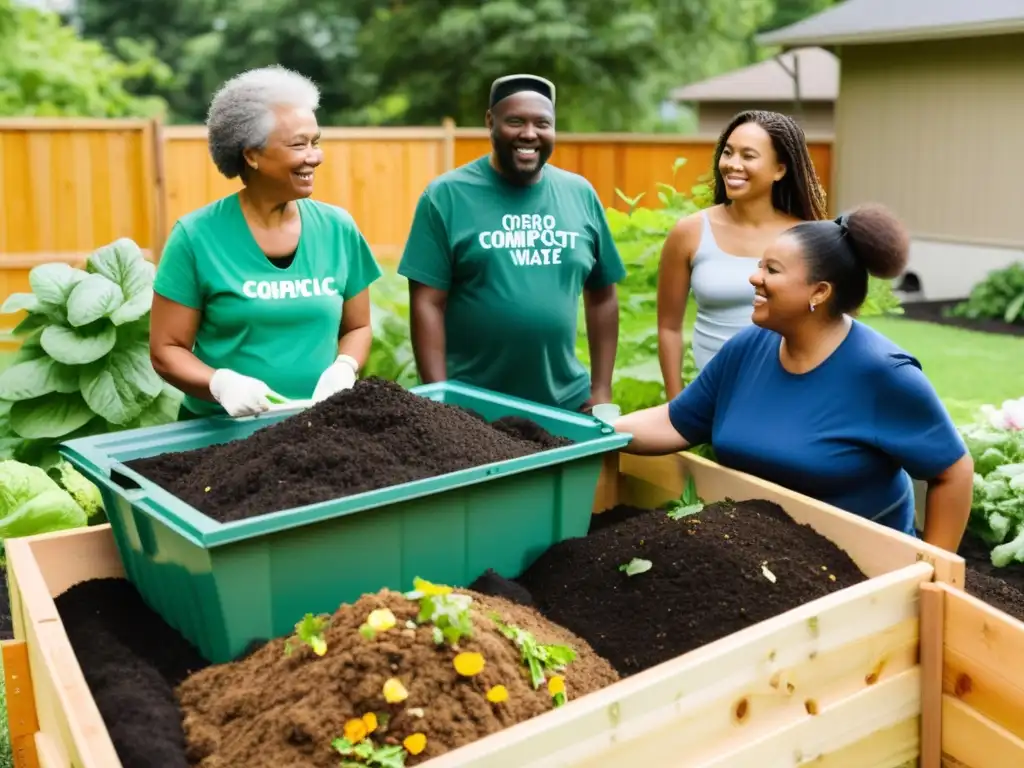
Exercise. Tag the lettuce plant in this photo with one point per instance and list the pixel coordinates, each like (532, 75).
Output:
(83, 366)
(32, 502)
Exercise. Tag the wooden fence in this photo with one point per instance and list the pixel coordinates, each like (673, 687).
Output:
(68, 186)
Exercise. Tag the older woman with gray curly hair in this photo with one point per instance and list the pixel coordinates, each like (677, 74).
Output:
(264, 292)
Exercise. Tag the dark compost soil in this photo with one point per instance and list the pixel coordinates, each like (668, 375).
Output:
(706, 581)
(6, 623)
(131, 660)
(375, 435)
(935, 312)
(1002, 588)
(278, 709)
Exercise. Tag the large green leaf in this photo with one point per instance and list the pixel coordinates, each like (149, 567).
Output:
(35, 378)
(163, 410)
(50, 416)
(31, 322)
(94, 297)
(32, 503)
(78, 346)
(123, 263)
(121, 385)
(53, 283)
(19, 301)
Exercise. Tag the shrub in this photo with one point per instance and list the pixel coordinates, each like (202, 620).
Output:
(1000, 296)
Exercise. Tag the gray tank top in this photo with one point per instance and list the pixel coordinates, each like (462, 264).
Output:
(721, 286)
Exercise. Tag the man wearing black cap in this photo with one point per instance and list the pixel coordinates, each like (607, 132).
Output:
(499, 253)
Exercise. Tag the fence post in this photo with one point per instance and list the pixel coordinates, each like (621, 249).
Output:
(159, 188)
(448, 145)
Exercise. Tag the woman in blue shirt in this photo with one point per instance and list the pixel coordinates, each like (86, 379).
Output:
(813, 400)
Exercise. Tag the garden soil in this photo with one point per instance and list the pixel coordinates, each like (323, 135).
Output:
(375, 435)
(277, 710)
(935, 312)
(1002, 588)
(131, 660)
(707, 579)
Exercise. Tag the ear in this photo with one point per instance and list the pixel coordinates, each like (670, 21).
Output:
(251, 157)
(489, 120)
(822, 294)
(780, 171)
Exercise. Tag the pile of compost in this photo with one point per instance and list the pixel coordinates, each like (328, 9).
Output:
(395, 687)
(375, 435)
(131, 660)
(729, 566)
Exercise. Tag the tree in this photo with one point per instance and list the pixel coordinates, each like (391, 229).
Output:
(47, 70)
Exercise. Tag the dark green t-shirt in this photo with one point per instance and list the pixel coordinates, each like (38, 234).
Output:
(276, 324)
(514, 261)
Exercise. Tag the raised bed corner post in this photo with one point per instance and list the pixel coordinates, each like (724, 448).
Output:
(932, 642)
(22, 720)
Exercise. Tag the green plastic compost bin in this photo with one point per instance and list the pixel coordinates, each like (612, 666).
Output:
(225, 585)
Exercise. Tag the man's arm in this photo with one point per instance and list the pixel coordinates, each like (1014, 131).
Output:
(426, 321)
(602, 317)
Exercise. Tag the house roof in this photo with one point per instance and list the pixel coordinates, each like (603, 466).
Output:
(881, 21)
(770, 80)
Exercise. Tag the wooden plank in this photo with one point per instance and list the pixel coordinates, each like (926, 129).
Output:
(739, 684)
(932, 647)
(974, 741)
(651, 481)
(983, 655)
(22, 722)
(66, 711)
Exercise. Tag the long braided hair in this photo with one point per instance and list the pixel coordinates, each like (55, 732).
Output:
(798, 193)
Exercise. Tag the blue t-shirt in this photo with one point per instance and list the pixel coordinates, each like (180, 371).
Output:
(850, 433)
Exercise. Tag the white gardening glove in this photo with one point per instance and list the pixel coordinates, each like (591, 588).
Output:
(239, 395)
(339, 376)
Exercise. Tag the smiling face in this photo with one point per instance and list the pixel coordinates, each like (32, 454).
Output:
(748, 163)
(292, 153)
(782, 293)
(522, 130)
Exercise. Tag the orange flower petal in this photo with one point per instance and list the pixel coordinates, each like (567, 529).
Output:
(370, 721)
(415, 743)
(355, 730)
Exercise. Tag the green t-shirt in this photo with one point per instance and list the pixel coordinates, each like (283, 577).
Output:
(277, 324)
(514, 261)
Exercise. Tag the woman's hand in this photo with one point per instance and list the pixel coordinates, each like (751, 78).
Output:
(239, 395)
(341, 375)
(653, 433)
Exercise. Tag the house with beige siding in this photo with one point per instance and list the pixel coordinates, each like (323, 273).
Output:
(802, 83)
(929, 120)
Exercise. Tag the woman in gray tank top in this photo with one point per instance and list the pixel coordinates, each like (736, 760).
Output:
(764, 183)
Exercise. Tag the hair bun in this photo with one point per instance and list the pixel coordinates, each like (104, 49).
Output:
(879, 240)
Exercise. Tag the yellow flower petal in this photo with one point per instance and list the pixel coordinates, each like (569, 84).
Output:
(381, 620)
(415, 743)
(428, 588)
(468, 664)
(556, 685)
(355, 731)
(394, 691)
(370, 721)
(497, 694)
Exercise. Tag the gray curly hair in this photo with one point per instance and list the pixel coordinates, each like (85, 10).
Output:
(242, 112)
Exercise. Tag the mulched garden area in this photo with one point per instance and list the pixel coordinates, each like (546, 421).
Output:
(935, 312)
(1002, 588)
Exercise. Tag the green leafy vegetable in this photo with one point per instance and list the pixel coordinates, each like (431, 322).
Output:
(83, 366)
(368, 754)
(636, 566)
(310, 630)
(31, 502)
(997, 505)
(687, 504)
(536, 656)
(447, 611)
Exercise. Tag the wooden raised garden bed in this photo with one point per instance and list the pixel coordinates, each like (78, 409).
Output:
(847, 679)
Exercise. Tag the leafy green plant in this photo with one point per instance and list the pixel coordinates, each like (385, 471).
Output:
(997, 505)
(687, 504)
(310, 631)
(1000, 296)
(447, 611)
(369, 755)
(537, 656)
(391, 356)
(31, 502)
(83, 366)
(636, 566)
